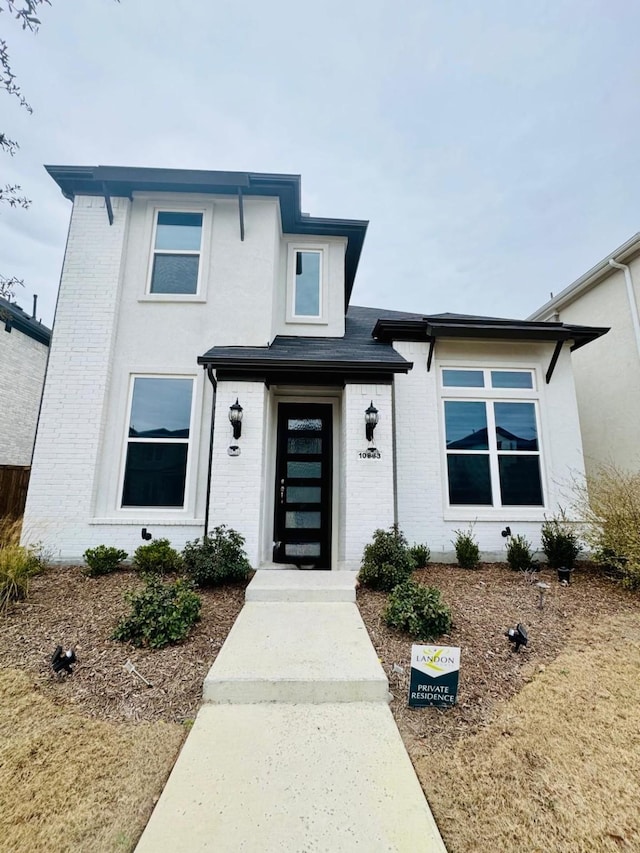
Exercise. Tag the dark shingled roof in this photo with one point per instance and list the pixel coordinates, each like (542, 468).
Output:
(13, 317)
(357, 351)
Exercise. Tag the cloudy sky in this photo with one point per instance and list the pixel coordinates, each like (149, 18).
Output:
(493, 144)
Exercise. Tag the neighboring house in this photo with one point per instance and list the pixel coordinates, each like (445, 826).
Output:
(24, 348)
(207, 369)
(607, 374)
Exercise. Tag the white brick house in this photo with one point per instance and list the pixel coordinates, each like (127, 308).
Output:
(24, 347)
(183, 292)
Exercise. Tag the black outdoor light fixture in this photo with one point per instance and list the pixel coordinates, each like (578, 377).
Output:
(370, 420)
(235, 416)
(518, 636)
(61, 660)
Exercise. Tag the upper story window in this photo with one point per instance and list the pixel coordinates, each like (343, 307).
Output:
(177, 248)
(307, 288)
(158, 442)
(492, 437)
(307, 284)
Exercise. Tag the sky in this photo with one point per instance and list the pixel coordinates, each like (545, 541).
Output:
(493, 145)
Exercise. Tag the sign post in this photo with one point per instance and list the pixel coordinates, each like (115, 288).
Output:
(434, 676)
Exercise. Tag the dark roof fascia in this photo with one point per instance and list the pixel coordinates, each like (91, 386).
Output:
(11, 315)
(430, 328)
(325, 378)
(260, 366)
(125, 180)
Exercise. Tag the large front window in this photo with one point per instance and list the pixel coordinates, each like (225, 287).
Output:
(157, 442)
(492, 441)
(176, 252)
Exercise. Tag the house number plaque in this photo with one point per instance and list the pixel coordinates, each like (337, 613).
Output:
(370, 453)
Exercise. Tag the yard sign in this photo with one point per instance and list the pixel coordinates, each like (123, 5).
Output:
(434, 676)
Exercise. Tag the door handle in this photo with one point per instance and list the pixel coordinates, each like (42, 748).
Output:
(281, 491)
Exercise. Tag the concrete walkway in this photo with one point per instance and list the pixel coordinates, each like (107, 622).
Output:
(295, 748)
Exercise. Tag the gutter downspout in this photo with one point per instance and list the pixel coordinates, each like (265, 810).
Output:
(214, 387)
(633, 305)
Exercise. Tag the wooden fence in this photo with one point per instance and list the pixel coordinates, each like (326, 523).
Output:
(14, 480)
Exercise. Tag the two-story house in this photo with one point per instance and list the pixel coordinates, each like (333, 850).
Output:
(207, 368)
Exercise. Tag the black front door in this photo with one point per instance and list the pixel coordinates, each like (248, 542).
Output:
(302, 527)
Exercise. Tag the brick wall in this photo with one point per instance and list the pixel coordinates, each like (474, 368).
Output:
(73, 416)
(366, 484)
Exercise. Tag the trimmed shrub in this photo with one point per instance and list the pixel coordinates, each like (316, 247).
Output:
(610, 507)
(560, 543)
(418, 610)
(467, 551)
(217, 559)
(386, 561)
(18, 564)
(161, 613)
(519, 554)
(102, 560)
(420, 554)
(158, 557)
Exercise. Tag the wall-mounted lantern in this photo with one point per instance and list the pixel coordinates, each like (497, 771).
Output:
(370, 419)
(235, 416)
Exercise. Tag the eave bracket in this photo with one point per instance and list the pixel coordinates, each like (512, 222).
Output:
(554, 360)
(107, 201)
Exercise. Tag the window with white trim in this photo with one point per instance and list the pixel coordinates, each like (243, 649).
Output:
(492, 437)
(306, 281)
(177, 246)
(158, 442)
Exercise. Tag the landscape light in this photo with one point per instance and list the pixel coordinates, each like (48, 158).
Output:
(62, 660)
(518, 635)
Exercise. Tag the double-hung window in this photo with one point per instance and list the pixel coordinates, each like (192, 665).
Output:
(158, 442)
(177, 246)
(492, 437)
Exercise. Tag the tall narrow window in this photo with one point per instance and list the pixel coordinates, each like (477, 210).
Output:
(176, 253)
(158, 442)
(306, 292)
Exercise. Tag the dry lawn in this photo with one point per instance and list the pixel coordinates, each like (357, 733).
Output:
(559, 767)
(70, 783)
(542, 751)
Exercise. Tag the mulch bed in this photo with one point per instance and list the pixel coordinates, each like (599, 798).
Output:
(67, 608)
(485, 603)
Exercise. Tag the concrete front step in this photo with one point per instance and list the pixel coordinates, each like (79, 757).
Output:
(289, 778)
(297, 652)
(300, 585)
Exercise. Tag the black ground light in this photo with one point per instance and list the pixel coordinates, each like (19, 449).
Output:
(518, 635)
(62, 660)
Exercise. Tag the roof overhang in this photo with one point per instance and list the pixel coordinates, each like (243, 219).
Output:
(300, 371)
(110, 181)
(431, 328)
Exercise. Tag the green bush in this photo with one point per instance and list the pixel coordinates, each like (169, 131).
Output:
(158, 557)
(386, 561)
(219, 558)
(467, 551)
(519, 554)
(418, 610)
(560, 543)
(161, 613)
(102, 560)
(610, 507)
(18, 564)
(420, 554)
